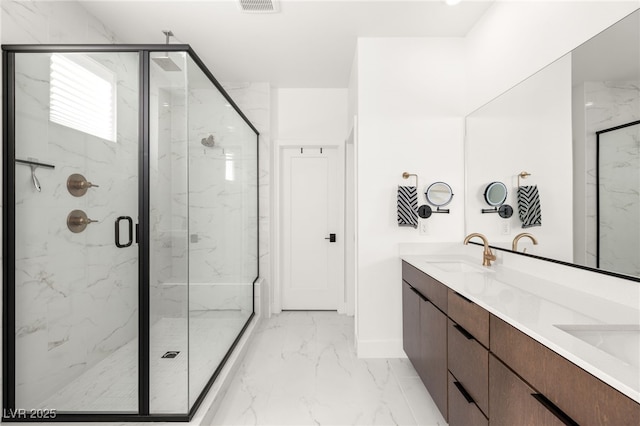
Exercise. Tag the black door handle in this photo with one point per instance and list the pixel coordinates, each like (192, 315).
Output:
(331, 238)
(117, 231)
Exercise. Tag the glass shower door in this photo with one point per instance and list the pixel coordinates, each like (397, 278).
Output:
(76, 206)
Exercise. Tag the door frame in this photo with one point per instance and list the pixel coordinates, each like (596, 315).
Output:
(278, 150)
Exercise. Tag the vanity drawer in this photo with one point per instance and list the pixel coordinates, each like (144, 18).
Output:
(469, 363)
(513, 401)
(462, 410)
(430, 288)
(470, 316)
(583, 397)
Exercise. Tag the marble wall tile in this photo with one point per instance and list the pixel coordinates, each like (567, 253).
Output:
(76, 294)
(619, 183)
(610, 104)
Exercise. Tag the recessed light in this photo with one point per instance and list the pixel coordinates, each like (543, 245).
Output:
(588, 104)
(452, 2)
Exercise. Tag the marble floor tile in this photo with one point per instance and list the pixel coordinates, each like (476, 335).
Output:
(302, 369)
(112, 384)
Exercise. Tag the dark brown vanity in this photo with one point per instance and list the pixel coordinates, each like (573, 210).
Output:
(480, 370)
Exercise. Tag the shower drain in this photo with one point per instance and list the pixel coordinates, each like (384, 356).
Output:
(170, 354)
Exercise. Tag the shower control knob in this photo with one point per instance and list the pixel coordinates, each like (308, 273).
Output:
(78, 185)
(77, 221)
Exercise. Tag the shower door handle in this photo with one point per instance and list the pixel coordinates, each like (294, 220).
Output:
(117, 231)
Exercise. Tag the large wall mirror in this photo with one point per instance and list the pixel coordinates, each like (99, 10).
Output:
(573, 128)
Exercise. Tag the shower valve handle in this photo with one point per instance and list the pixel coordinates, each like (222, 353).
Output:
(78, 185)
(77, 221)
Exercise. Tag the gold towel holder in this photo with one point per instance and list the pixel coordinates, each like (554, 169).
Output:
(522, 175)
(406, 175)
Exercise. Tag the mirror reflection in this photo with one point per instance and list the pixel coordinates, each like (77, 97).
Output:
(548, 125)
(495, 194)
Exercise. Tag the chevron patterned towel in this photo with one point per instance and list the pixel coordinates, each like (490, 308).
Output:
(407, 206)
(529, 206)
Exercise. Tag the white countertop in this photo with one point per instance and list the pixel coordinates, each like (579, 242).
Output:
(537, 306)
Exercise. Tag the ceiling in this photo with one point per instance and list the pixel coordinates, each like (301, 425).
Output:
(307, 44)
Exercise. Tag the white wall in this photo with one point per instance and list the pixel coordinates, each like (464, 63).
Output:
(514, 39)
(311, 114)
(409, 96)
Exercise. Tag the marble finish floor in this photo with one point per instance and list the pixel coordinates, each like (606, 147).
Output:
(112, 384)
(301, 369)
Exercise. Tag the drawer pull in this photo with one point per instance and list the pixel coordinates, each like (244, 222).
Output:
(464, 392)
(554, 409)
(419, 294)
(464, 332)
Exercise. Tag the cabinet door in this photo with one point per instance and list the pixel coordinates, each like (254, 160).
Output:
(411, 324)
(512, 401)
(433, 324)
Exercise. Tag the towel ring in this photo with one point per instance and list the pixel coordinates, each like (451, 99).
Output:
(406, 175)
(522, 175)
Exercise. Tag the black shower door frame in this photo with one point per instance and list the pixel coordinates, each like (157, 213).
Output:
(10, 412)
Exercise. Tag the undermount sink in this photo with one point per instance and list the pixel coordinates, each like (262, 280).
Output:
(619, 340)
(459, 266)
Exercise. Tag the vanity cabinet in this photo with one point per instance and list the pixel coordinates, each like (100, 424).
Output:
(425, 331)
(582, 397)
(481, 370)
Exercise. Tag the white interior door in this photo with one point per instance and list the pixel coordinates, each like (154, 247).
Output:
(311, 262)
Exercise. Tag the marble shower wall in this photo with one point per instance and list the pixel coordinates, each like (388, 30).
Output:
(60, 294)
(220, 219)
(76, 294)
(619, 183)
(612, 103)
(51, 22)
(254, 100)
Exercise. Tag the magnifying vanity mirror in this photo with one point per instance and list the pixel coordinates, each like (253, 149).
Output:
(550, 122)
(495, 194)
(439, 194)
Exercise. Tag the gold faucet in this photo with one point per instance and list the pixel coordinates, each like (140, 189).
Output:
(514, 245)
(487, 255)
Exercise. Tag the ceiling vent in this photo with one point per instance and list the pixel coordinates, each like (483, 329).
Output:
(259, 6)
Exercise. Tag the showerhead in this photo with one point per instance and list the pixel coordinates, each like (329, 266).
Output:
(209, 142)
(165, 62)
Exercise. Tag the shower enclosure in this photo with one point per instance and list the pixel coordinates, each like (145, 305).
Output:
(130, 231)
